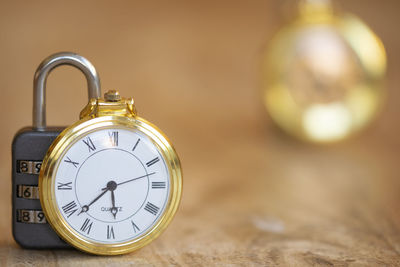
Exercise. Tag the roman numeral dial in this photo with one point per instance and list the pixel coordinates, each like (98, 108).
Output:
(70, 208)
(88, 141)
(110, 232)
(113, 138)
(112, 185)
(74, 163)
(135, 227)
(158, 185)
(150, 207)
(153, 161)
(64, 186)
(136, 144)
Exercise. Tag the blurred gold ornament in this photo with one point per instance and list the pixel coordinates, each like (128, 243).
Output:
(323, 74)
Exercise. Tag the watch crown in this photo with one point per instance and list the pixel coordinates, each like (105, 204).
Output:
(112, 96)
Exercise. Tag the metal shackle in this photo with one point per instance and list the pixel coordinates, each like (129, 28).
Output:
(42, 72)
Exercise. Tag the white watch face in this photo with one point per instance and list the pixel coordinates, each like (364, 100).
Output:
(112, 185)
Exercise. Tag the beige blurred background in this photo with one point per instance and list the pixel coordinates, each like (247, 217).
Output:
(252, 196)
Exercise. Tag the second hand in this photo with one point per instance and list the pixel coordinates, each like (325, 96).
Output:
(131, 180)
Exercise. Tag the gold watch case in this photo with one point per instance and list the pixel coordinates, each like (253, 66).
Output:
(100, 114)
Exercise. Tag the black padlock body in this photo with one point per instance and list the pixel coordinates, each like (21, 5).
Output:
(30, 145)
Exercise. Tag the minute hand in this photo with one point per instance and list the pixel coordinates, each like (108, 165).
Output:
(85, 208)
(97, 198)
(131, 180)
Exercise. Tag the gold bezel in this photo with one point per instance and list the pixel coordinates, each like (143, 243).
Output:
(56, 152)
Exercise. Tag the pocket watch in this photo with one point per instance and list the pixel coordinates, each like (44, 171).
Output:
(111, 182)
(324, 74)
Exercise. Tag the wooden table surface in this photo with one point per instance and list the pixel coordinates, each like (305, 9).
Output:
(252, 196)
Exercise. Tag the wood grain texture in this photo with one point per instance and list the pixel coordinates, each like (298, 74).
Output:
(252, 196)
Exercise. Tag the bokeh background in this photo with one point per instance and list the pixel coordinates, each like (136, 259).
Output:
(252, 195)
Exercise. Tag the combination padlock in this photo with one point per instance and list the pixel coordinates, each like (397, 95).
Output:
(30, 144)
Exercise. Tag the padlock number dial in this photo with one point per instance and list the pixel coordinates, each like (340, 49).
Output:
(112, 185)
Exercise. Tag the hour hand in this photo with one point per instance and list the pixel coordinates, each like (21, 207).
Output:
(113, 210)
